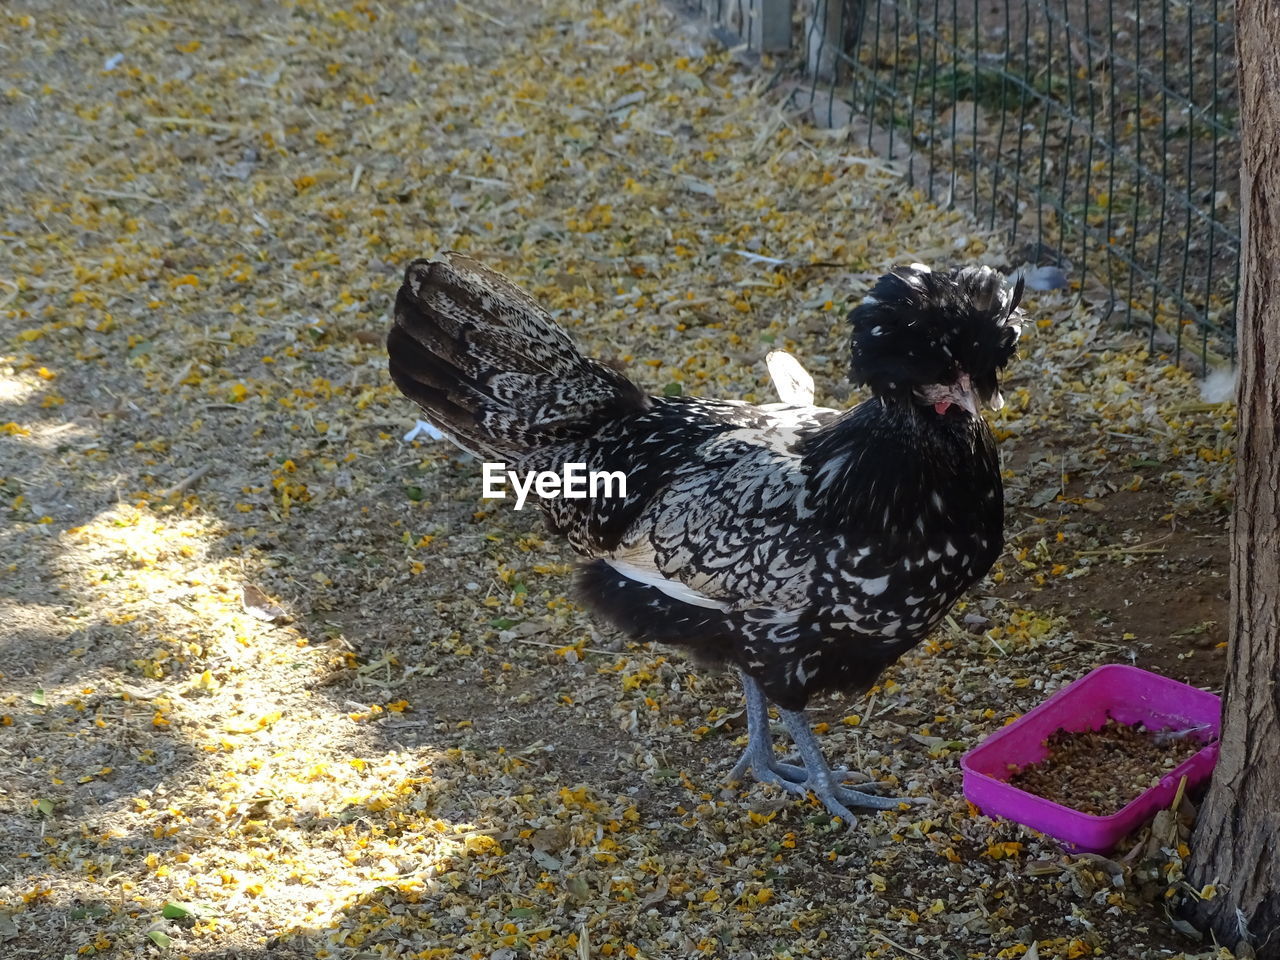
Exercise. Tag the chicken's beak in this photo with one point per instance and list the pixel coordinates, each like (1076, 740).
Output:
(942, 396)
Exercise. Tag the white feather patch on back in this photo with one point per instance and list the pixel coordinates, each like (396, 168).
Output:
(672, 588)
(792, 381)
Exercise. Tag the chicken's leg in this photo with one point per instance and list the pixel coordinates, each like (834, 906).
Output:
(759, 757)
(822, 780)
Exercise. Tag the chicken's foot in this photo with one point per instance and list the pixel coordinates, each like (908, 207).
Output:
(796, 778)
(821, 779)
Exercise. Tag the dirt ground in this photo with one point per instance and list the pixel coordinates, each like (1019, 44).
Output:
(275, 683)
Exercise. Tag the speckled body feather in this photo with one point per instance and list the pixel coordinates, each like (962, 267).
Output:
(808, 547)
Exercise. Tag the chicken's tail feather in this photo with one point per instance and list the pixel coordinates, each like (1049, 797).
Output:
(491, 368)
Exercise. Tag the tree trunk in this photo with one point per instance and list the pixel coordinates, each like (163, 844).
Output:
(1236, 843)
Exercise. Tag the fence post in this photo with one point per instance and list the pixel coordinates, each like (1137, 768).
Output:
(827, 30)
(771, 30)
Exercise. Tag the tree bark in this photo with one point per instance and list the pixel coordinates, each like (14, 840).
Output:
(1236, 843)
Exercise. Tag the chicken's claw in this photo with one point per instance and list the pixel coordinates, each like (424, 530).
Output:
(812, 774)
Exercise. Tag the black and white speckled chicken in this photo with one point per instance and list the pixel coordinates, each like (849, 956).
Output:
(807, 547)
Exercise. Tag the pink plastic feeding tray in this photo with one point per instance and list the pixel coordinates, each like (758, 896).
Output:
(1127, 695)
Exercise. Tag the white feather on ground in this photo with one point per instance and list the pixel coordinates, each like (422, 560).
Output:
(425, 430)
(1219, 386)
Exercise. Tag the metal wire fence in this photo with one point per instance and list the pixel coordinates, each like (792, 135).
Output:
(1101, 134)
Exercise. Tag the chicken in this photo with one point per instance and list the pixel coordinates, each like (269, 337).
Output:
(806, 547)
